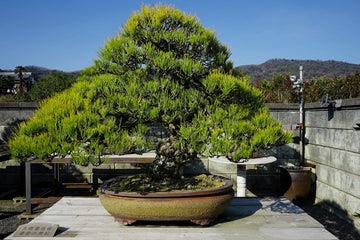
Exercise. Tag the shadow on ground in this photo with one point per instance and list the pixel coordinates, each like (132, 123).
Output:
(323, 212)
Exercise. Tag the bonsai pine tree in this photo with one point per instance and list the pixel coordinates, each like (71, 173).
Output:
(164, 67)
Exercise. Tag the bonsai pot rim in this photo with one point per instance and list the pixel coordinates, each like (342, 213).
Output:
(295, 168)
(227, 186)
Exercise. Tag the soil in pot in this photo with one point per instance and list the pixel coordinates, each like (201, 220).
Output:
(142, 184)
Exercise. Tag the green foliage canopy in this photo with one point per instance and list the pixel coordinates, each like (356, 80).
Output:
(164, 41)
(163, 67)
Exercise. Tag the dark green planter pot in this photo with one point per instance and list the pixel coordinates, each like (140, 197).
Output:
(298, 180)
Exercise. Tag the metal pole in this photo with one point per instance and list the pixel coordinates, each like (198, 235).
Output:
(301, 97)
(28, 186)
(302, 118)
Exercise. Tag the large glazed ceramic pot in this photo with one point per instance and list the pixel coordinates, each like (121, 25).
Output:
(200, 207)
(297, 180)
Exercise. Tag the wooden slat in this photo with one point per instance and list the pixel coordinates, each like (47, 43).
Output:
(48, 200)
(77, 185)
(145, 158)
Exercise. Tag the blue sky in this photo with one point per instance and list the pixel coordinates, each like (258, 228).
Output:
(67, 34)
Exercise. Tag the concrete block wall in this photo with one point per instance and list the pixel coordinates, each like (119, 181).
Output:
(11, 172)
(333, 145)
(13, 113)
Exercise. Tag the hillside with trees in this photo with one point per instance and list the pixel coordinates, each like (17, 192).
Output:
(46, 83)
(40, 72)
(312, 69)
(339, 80)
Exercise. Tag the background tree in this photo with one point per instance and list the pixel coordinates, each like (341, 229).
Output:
(280, 90)
(47, 86)
(336, 88)
(19, 70)
(6, 83)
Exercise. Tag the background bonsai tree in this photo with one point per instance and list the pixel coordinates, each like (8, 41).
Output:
(165, 67)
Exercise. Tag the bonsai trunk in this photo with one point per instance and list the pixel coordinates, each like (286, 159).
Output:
(171, 156)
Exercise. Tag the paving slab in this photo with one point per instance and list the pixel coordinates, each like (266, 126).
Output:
(246, 218)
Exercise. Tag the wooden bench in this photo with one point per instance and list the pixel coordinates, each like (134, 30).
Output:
(145, 158)
(4, 156)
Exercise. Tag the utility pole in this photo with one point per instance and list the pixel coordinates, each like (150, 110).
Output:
(298, 83)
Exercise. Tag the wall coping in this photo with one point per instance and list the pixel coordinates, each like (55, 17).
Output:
(352, 103)
(19, 105)
(283, 106)
(345, 104)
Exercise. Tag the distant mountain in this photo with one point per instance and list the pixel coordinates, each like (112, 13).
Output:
(311, 68)
(40, 72)
(266, 70)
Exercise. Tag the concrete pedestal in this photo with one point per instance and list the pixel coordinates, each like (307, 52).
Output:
(241, 170)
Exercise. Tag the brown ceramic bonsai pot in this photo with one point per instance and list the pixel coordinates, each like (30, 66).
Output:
(200, 207)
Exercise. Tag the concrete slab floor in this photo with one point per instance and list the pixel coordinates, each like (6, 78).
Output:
(246, 218)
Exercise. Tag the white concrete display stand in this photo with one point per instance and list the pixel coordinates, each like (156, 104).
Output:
(241, 170)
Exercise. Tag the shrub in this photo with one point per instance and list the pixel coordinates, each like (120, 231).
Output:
(280, 90)
(336, 88)
(47, 86)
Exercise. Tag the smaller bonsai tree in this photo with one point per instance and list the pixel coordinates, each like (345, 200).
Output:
(162, 67)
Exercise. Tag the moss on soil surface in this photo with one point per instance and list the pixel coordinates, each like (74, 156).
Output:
(142, 183)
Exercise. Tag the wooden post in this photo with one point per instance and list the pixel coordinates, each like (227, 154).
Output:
(28, 186)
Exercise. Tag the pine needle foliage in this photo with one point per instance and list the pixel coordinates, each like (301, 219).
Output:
(164, 67)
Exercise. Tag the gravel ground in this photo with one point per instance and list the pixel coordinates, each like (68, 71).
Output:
(9, 220)
(9, 224)
(343, 230)
(9, 216)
